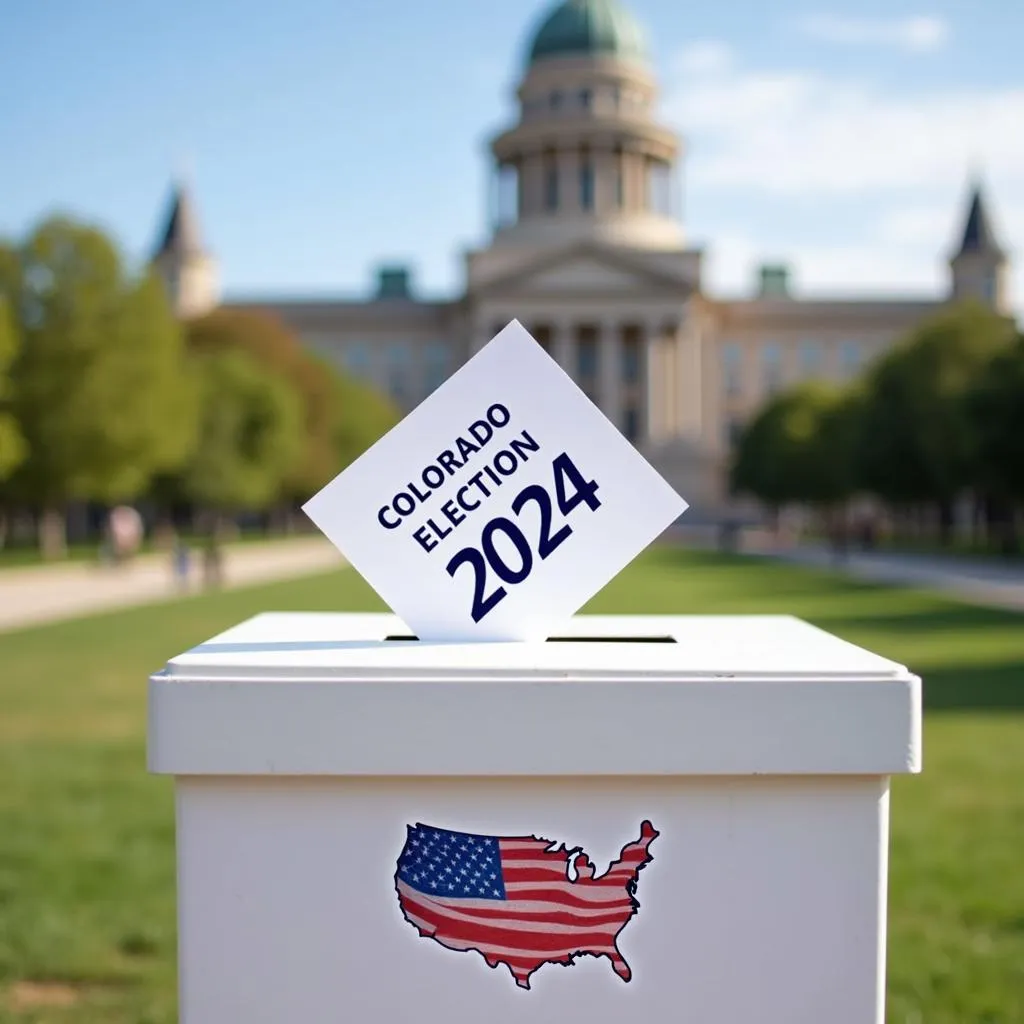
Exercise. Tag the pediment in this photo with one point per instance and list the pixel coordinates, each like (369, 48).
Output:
(585, 270)
(583, 274)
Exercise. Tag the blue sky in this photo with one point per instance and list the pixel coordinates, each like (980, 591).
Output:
(325, 136)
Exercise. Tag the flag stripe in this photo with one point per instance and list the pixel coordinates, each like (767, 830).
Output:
(518, 952)
(516, 914)
(564, 894)
(544, 906)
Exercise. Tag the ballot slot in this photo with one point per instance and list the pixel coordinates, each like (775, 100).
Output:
(570, 639)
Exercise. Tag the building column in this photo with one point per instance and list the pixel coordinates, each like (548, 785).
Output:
(609, 371)
(563, 346)
(635, 186)
(604, 180)
(651, 408)
(689, 379)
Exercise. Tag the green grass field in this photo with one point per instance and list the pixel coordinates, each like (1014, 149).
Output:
(86, 836)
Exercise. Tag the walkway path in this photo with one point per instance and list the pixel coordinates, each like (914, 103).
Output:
(50, 593)
(992, 583)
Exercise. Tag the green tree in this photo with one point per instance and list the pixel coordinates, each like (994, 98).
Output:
(361, 415)
(995, 408)
(341, 416)
(251, 426)
(12, 445)
(917, 440)
(99, 386)
(274, 346)
(801, 449)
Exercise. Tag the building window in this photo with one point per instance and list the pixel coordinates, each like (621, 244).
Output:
(810, 359)
(551, 184)
(586, 183)
(771, 357)
(616, 97)
(630, 361)
(732, 368)
(542, 335)
(436, 368)
(733, 432)
(398, 372)
(850, 356)
(631, 424)
(556, 101)
(586, 359)
(357, 360)
(586, 99)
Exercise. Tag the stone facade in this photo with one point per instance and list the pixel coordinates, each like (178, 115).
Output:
(588, 252)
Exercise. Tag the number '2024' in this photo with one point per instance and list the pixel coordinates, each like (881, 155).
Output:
(571, 490)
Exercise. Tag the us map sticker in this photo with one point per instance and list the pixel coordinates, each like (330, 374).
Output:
(500, 505)
(519, 901)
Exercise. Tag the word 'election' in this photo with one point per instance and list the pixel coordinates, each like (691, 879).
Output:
(474, 488)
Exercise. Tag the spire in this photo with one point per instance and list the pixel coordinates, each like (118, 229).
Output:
(978, 236)
(181, 234)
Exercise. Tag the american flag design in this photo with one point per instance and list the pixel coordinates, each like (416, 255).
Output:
(518, 900)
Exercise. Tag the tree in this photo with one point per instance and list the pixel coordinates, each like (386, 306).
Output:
(99, 386)
(251, 426)
(917, 444)
(995, 408)
(12, 445)
(361, 415)
(341, 416)
(276, 348)
(801, 448)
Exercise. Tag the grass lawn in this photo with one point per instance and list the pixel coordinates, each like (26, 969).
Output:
(86, 836)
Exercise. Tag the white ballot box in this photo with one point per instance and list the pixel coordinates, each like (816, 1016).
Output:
(640, 818)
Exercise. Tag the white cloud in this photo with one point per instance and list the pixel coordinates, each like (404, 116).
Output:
(789, 131)
(705, 57)
(894, 165)
(917, 34)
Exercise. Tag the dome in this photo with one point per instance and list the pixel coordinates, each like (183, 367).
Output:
(589, 27)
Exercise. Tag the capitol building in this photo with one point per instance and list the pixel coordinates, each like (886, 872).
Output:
(588, 251)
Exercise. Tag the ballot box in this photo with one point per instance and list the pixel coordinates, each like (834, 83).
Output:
(636, 818)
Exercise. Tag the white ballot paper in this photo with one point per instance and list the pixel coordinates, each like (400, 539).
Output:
(500, 505)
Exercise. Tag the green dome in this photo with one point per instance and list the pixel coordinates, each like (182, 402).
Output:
(582, 27)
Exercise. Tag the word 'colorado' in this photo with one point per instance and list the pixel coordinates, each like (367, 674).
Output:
(448, 464)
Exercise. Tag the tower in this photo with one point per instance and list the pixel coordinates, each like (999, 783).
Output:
(188, 271)
(586, 159)
(979, 266)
